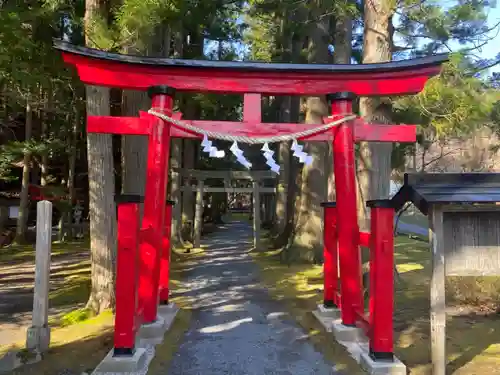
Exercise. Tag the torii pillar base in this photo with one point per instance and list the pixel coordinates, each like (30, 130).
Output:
(372, 367)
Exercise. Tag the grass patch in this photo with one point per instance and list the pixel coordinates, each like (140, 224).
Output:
(473, 346)
(473, 343)
(79, 341)
(26, 253)
(238, 216)
(77, 316)
(415, 218)
(75, 289)
(77, 348)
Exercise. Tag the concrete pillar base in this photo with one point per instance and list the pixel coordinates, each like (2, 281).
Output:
(372, 367)
(152, 333)
(168, 313)
(332, 312)
(344, 333)
(123, 364)
(326, 316)
(38, 339)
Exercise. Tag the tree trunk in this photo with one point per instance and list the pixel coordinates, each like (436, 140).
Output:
(374, 162)
(176, 158)
(102, 208)
(284, 156)
(287, 181)
(22, 219)
(342, 55)
(44, 165)
(175, 188)
(281, 212)
(188, 196)
(308, 230)
(68, 230)
(134, 147)
(191, 111)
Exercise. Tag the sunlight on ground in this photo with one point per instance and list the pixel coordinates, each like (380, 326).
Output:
(78, 341)
(473, 342)
(226, 326)
(27, 252)
(77, 347)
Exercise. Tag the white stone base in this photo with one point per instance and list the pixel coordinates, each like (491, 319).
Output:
(372, 367)
(38, 339)
(325, 321)
(331, 312)
(152, 333)
(123, 364)
(168, 313)
(344, 333)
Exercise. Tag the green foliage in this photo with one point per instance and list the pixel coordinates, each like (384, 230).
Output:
(452, 103)
(431, 26)
(75, 316)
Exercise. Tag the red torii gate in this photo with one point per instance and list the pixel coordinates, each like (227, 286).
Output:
(162, 77)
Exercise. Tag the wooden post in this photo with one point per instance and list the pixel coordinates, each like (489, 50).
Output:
(227, 194)
(264, 205)
(38, 335)
(176, 196)
(256, 214)
(198, 218)
(438, 302)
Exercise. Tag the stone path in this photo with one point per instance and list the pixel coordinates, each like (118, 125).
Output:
(236, 327)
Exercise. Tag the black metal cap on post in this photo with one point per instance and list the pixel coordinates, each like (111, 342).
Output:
(329, 304)
(123, 352)
(328, 204)
(382, 356)
(344, 95)
(380, 203)
(129, 198)
(161, 90)
(170, 202)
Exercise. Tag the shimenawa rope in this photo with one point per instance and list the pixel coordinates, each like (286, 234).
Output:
(252, 140)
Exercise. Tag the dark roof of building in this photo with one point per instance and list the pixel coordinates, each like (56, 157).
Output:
(426, 189)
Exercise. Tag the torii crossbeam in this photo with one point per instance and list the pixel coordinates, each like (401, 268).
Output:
(342, 83)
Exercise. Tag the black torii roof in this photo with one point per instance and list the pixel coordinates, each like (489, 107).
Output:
(425, 189)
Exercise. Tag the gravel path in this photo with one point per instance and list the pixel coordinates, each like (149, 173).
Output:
(236, 327)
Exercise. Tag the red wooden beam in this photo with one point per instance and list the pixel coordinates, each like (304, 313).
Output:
(371, 132)
(364, 239)
(141, 126)
(135, 72)
(118, 125)
(252, 108)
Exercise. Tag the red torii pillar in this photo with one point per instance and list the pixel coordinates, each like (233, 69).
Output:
(344, 165)
(154, 203)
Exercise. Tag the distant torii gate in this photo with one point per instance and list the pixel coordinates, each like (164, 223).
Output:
(254, 176)
(162, 77)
